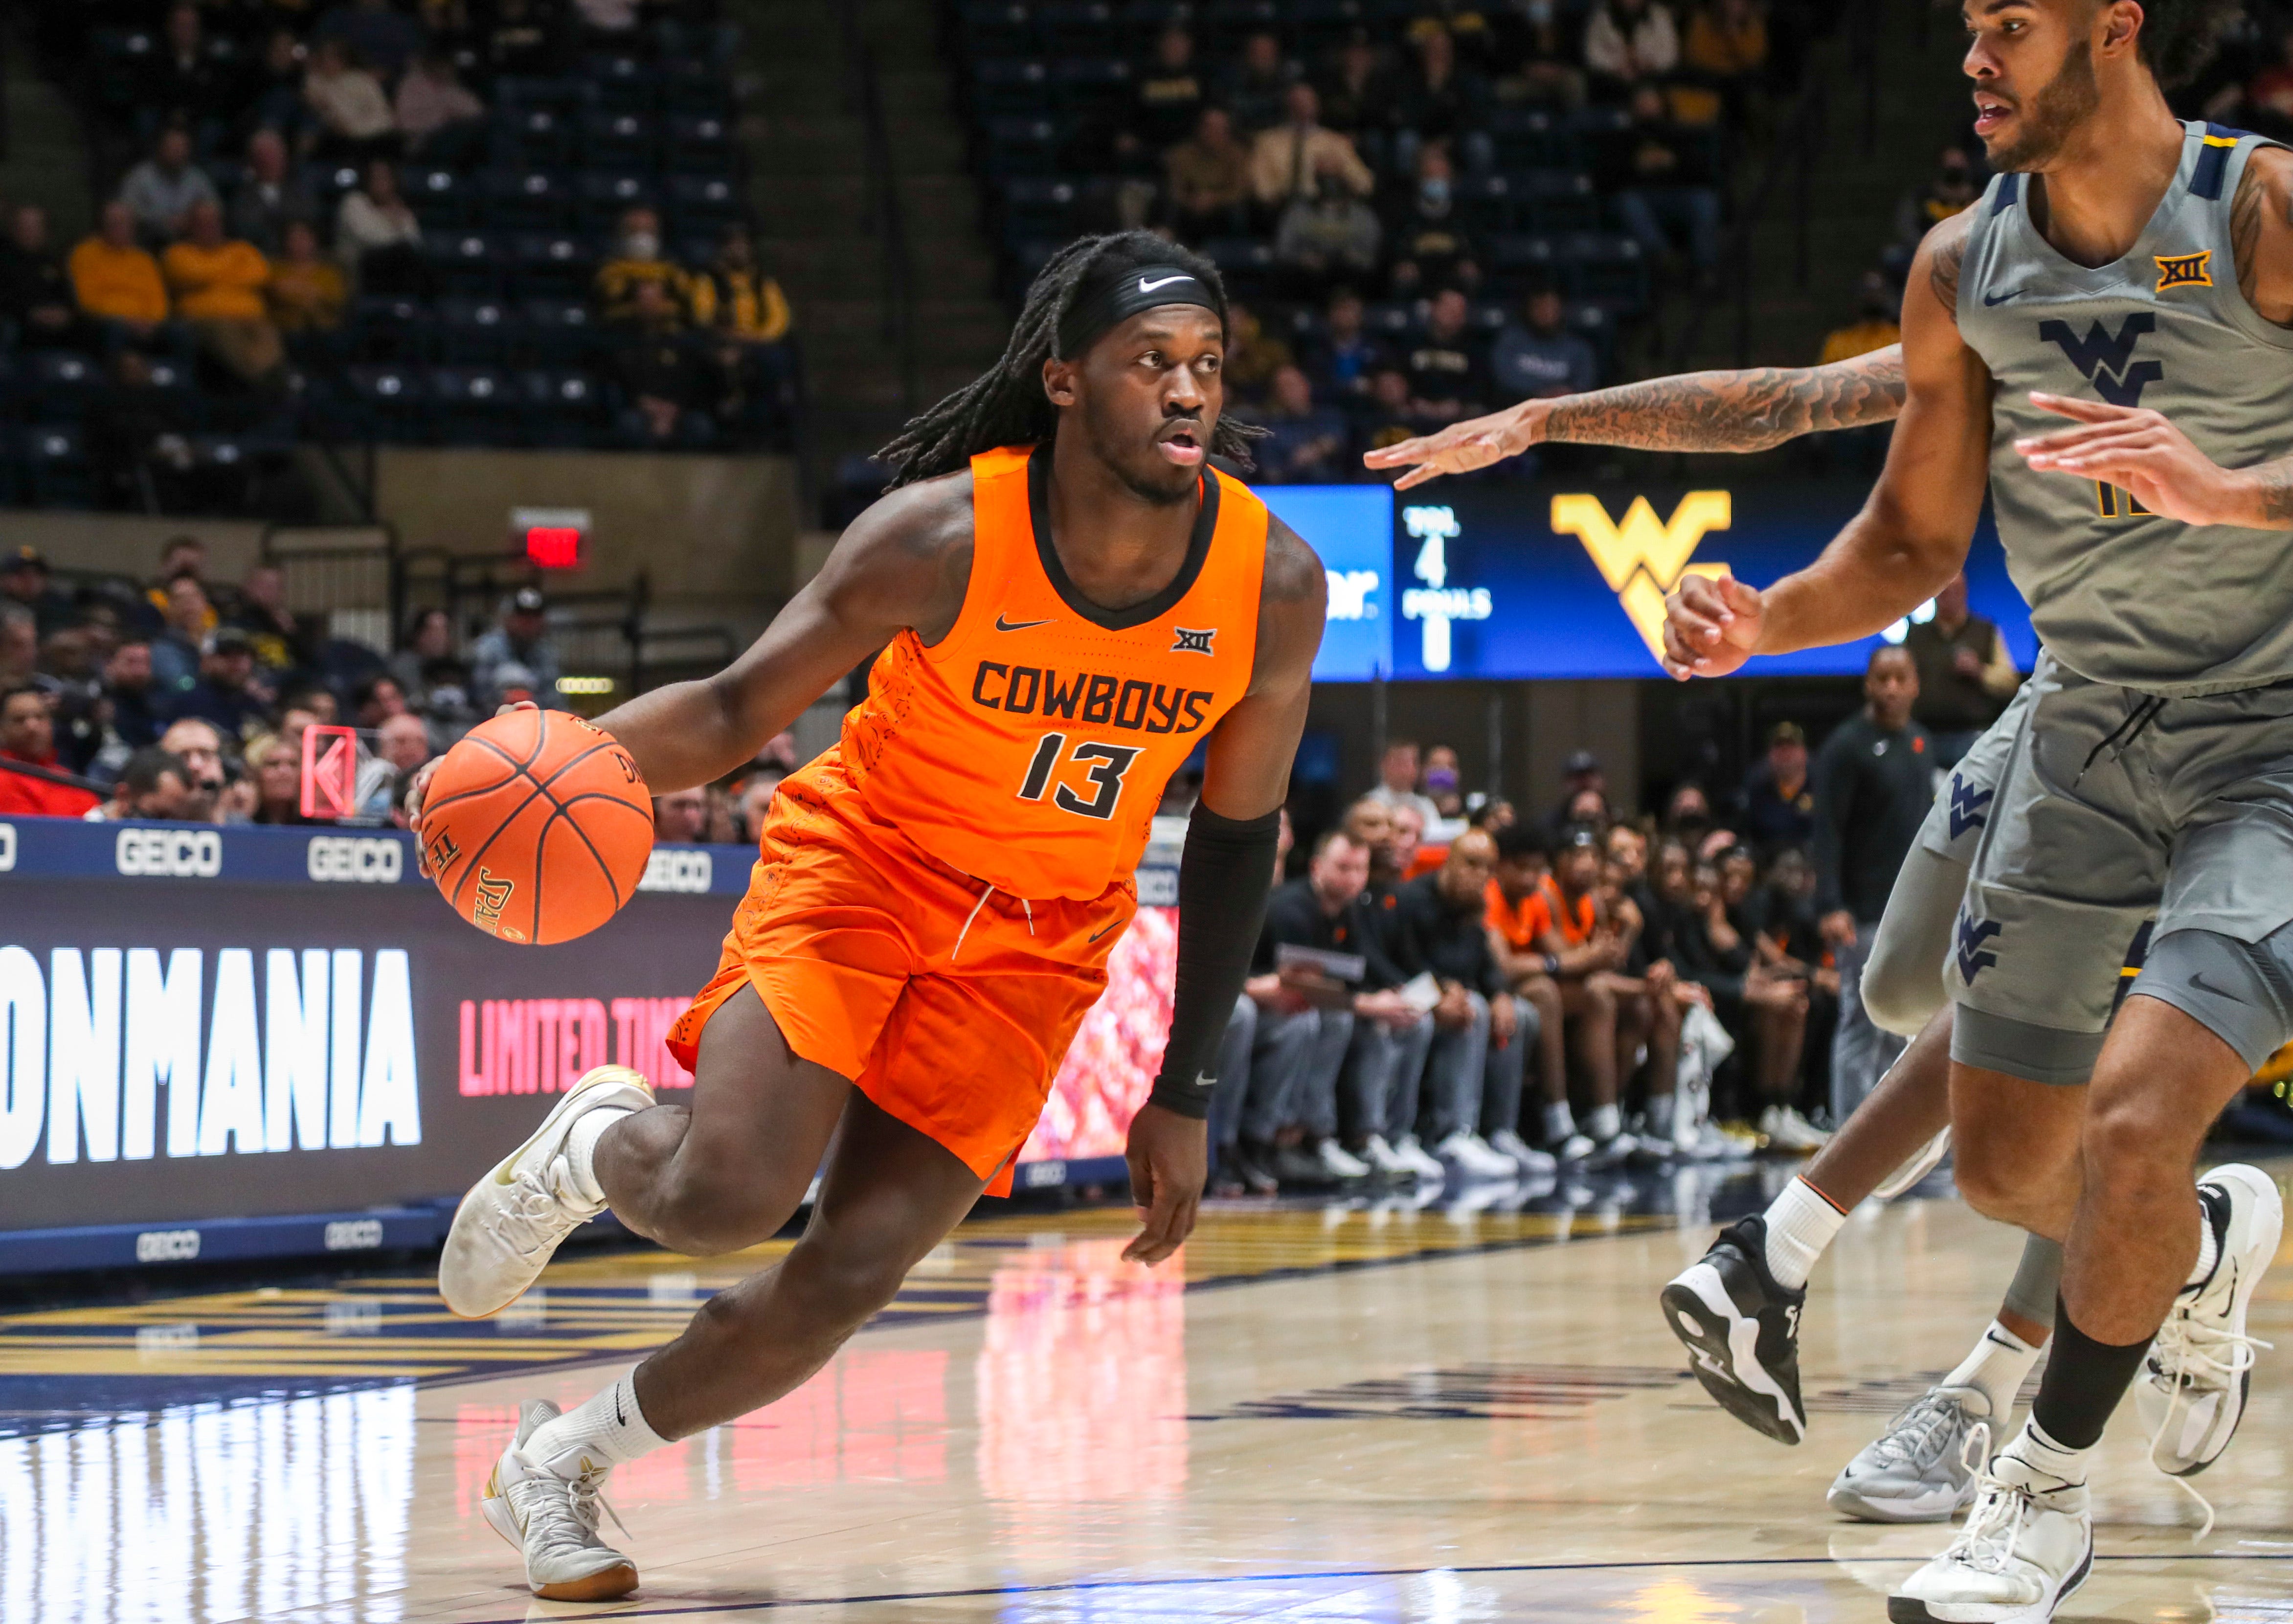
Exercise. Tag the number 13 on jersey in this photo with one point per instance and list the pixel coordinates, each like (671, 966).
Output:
(1106, 764)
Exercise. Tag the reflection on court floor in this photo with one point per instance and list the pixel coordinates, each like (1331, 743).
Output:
(1433, 1416)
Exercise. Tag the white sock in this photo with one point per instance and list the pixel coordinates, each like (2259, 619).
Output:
(1800, 1225)
(1659, 1115)
(1604, 1124)
(581, 1148)
(1559, 1122)
(1996, 1367)
(2032, 1447)
(610, 1426)
(2208, 1248)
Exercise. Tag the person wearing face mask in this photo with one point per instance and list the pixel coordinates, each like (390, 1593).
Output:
(1443, 785)
(1427, 237)
(1953, 188)
(637, 258)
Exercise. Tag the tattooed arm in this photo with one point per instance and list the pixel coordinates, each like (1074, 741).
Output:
(2138, 449)
(1748, 410)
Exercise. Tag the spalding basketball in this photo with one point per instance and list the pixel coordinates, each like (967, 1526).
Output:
(536, 826)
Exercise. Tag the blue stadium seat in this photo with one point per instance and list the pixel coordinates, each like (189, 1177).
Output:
(57, 472)
(389, 328)
(1320, 24)
(553, 264)
(60, 383)
(561, 409)
(1526, 138)
(1037, 205)
(1517, 253)
(1142, 19)
(528, 201)
(119, 62)
(1077, 28)
(1244, 263)
(472, 403)
(1227, 22)
(437, 196)
(566, 96)
(474, 332)
(620, 138)
(698, 144)
(1557, 200)
(603, 197)
(1485, 202)
(623, 83)
(702, 204)
(693, 89)
(1022, 146)
(554, 333)
(387, 400)
(1008, 85)
(1606, 269)
(468, 260)
(532, 138)
(999, 27)
(1086, 86)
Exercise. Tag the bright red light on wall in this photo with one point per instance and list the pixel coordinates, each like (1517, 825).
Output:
(554, 547)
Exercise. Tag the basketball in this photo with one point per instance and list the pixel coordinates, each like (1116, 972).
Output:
(536, 826)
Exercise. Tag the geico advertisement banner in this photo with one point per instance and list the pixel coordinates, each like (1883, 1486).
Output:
(175, 1045)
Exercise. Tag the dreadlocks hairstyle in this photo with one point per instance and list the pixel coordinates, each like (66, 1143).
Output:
(1006, 405)
(2177, 36)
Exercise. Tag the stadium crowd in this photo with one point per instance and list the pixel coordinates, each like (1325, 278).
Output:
(514, 223)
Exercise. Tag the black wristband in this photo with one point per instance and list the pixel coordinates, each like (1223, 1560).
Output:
(1224, 876)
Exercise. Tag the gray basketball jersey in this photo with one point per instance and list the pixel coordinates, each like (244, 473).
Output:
(2117, 594)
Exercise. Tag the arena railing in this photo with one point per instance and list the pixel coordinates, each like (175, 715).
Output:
(886, 215)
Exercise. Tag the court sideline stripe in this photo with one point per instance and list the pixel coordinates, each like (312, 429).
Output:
(1089, 1585)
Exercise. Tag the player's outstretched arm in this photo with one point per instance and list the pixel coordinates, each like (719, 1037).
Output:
(1748, 410)
(1912, 535)
(903, 563)
(1223, 878)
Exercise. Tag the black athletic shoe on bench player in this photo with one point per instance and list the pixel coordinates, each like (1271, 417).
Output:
(1741, 1330)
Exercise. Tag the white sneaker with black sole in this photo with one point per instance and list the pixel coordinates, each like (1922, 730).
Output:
(513, 1219)
(1919, 1469)
(1472, 1157)
(1413, 1157)
(1741, 1330)
(2199, 1368)
(2027, 1545)
(552, 1517)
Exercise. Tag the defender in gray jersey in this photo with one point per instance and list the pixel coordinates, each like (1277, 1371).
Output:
(2122, 255)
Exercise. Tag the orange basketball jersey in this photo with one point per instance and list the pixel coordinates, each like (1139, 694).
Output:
(1030, 746)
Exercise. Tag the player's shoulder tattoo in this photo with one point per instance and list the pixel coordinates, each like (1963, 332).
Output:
(1945, 248)
(2264, 199)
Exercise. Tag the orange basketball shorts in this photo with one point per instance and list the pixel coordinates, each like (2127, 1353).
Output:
(948, 1004)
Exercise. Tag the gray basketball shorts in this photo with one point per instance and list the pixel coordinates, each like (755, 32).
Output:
(2114, 805)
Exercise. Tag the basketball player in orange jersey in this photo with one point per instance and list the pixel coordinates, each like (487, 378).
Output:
(1073, 602)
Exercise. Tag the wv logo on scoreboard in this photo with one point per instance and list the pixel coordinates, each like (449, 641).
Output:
(1642, 557)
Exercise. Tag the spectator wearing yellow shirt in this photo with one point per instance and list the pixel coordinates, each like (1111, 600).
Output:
(1876, 323)
(116, 283)
(218, 283)
(637, 258)
(734, 298)
(307, 291)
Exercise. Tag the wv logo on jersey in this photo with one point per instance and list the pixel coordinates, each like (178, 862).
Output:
(2106, 360)
(1972, 933)
(1967, 805)
(2184, 269)
(1643, 558)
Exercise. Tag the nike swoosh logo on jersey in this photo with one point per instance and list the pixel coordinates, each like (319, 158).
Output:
(1146, 287)
(2011, 293)
(1003, 625)
(1102, 931)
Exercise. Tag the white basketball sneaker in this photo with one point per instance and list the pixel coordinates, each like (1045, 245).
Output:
(514, 1218)
(1916, 1471)
(551, 1516)
(2194, 1382)
(2027, 1545)
(1530, 1160)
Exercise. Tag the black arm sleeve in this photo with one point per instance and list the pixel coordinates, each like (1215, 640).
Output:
(1224, 876)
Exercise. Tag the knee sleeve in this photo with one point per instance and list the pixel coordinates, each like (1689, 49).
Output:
(2037, 1278)
(2242, 992)
(1902, 982)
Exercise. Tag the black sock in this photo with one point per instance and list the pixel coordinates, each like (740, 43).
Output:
(2083, 1383)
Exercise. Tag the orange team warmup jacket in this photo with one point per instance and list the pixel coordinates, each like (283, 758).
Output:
(936, 899)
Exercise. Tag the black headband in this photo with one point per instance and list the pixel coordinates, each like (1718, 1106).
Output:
(1109, 305)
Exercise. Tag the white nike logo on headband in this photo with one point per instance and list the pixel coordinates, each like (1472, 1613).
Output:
(1146, 287)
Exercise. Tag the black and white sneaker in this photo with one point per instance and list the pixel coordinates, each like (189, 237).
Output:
(1741, 1330)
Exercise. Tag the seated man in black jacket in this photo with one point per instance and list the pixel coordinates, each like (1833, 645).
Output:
(1309, 982)
(1478, 1026)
